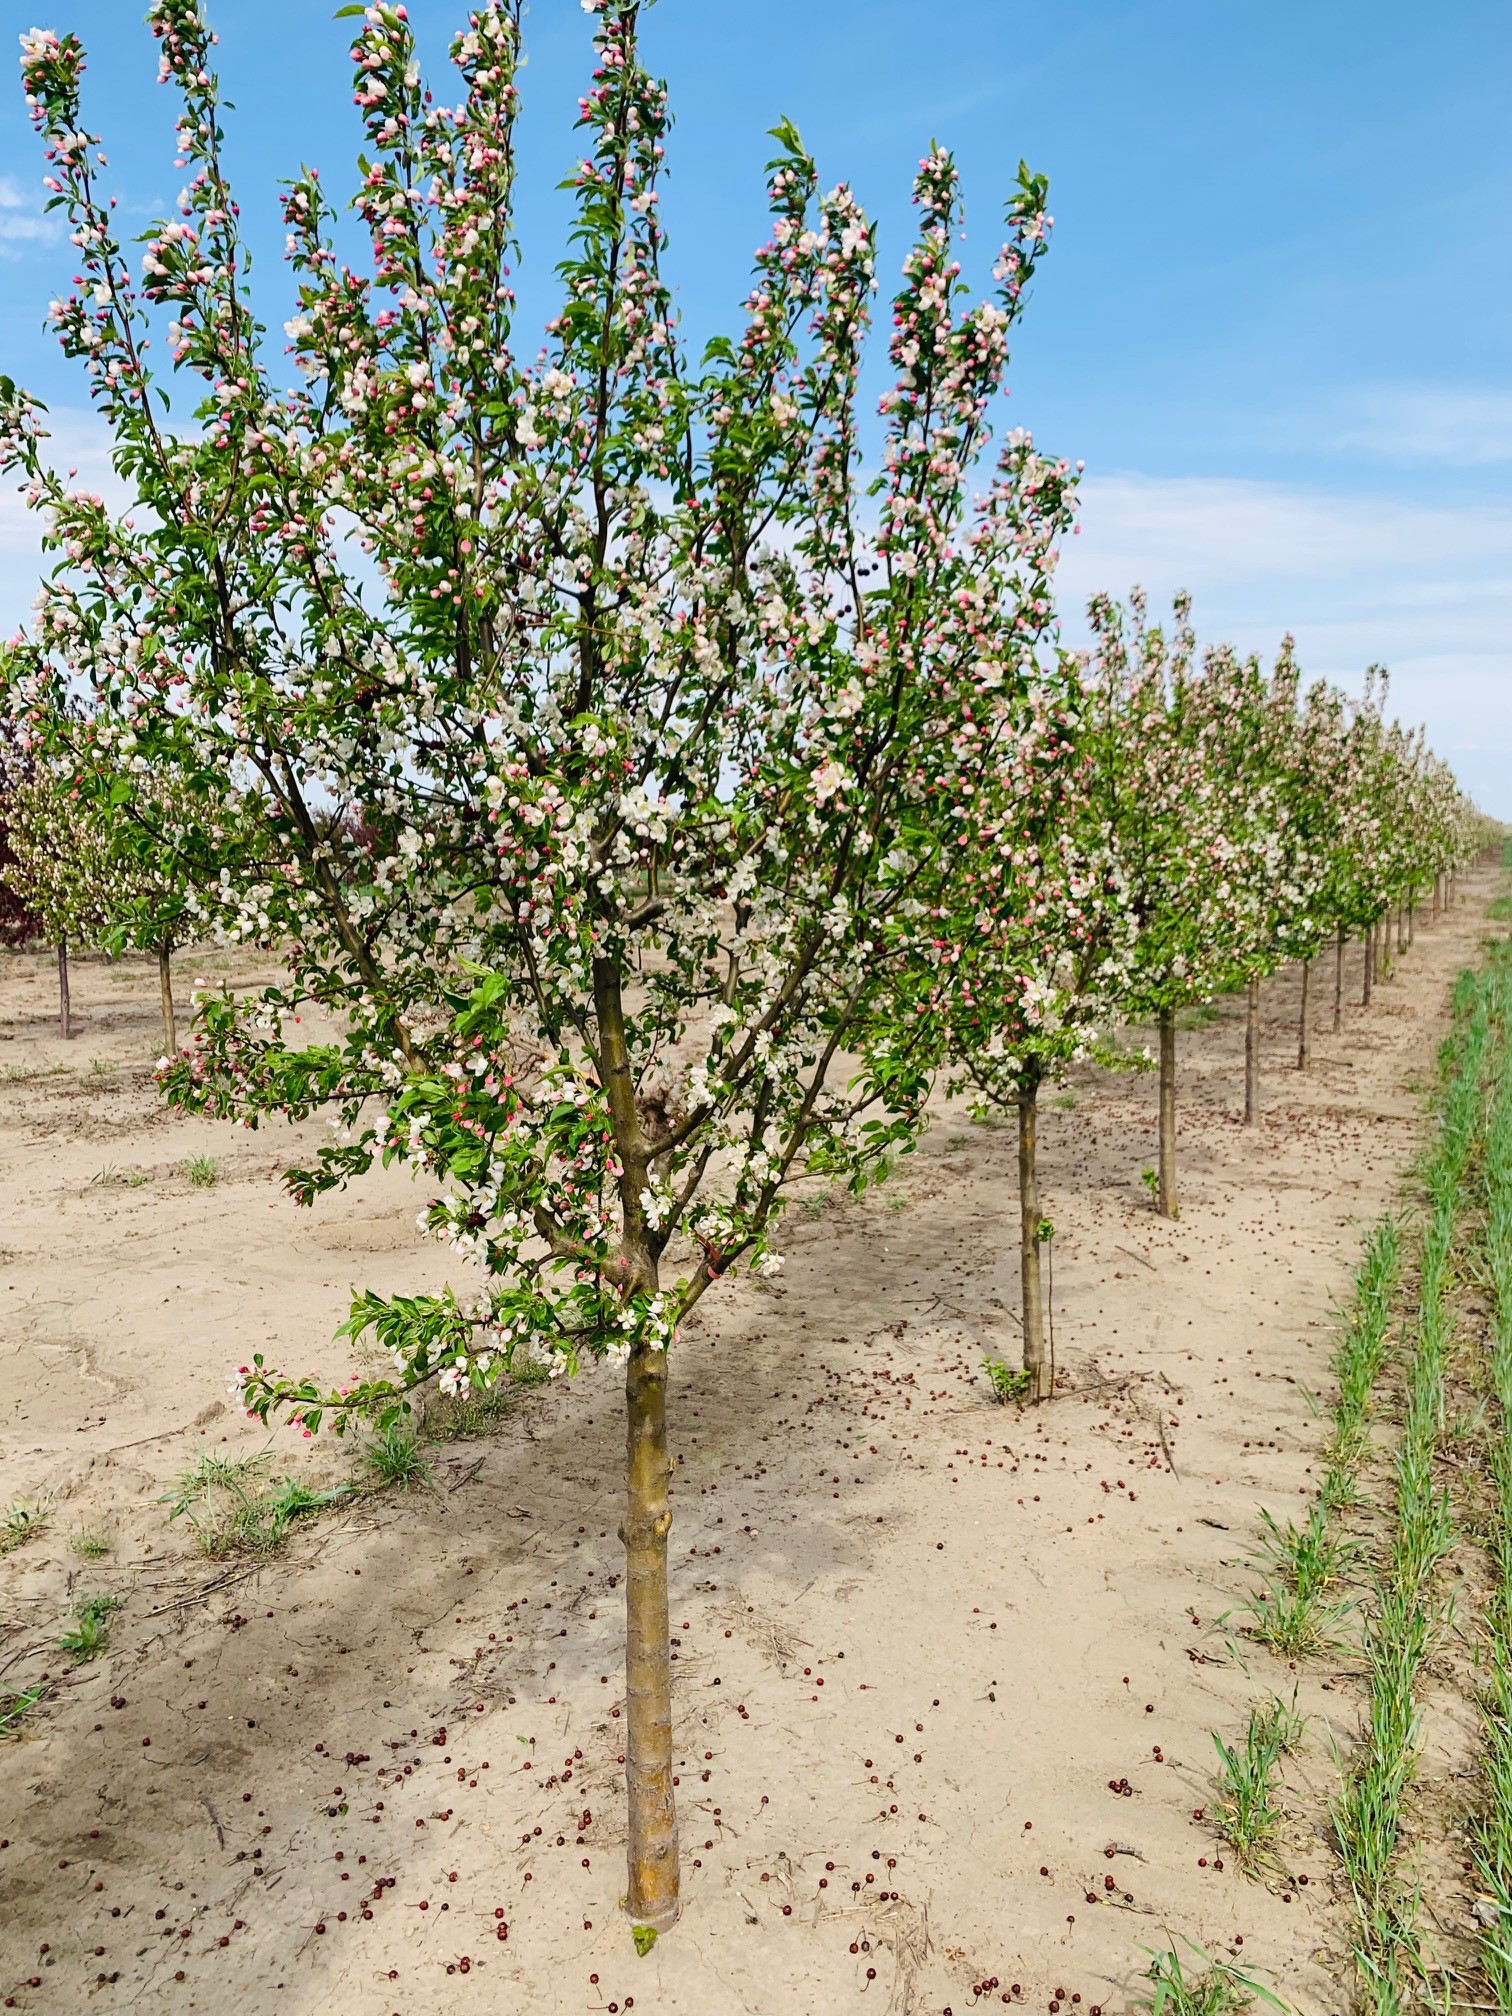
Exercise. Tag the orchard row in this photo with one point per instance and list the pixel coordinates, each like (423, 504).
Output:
(657, 768)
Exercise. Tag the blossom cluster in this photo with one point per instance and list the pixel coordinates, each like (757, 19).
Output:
(598, 735)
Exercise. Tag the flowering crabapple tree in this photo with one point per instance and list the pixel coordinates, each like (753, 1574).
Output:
(19, 922)
(102, 868)
(1259, 757)
(60, 872)
(1037, 951)
(1167, 816)
(1315, 837)
(599, 721)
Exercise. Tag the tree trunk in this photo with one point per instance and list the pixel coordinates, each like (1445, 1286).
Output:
(1304, 1029)
(165, 986)
(1437, 886)
(65, 1022)
(1368, 945)
(1338, 1019)
(1411, 920)
(1029, 1243)
(1165, 1191)
(1252, 1053)
(653, 1890)
(1401, 927)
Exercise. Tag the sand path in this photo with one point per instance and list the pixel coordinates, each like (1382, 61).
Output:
(921, 1638)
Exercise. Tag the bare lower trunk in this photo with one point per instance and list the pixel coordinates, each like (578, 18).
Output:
(1368, 943)
(1304, 1025)
(1383, 949)
(1338, 1019)
(165, 986)
(1438, 882)
(653, 1891)
(1040, 1382)
(1411, 922)
(1401, 927)
(65, 1023)
(1165, 1189)
(1252, 1053)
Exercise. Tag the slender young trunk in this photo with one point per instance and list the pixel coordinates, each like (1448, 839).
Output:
(165, 987)
(1368, 943)
(1438, 881)
(1304, 1030)
(1338, 1016)
(1383, 949)
(652, 1892)
(65, 1024)
(653, 1889)
(1029, 1243)
(1165, 1192)
(1411, 908)
(1401, 927)
(1252, 1052)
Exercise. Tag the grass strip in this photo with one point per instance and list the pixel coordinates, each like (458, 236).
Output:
(1405, 1613)
(1491, 1828)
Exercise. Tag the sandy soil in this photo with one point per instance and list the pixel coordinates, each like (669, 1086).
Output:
(946, 1671)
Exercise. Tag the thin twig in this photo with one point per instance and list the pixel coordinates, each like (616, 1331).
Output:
(1132, 1255)
(227, 1581)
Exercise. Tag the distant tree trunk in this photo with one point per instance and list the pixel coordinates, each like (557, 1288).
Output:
(65, 1023)
(1338, 1019)
(1368, 946)
(1304, 1025)
(1438, 881)
(1401, 927)
(165, 986)
(1165, 1191)
(1252, 1053)
(1035, 1363)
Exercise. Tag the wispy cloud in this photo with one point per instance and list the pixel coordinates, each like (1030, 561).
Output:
(22, 218)
(1357, 579)
(1459, 427)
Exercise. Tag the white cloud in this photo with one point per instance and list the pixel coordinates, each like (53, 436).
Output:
(1425, 589)
(1455, 426)
(22, 218)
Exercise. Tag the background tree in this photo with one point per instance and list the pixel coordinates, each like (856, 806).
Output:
(1165, 814)
(19, 923)
(1039, 945)
(597, 807)
(62, 868)
(103, 868)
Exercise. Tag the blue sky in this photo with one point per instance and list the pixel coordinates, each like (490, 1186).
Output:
(1276, 322)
